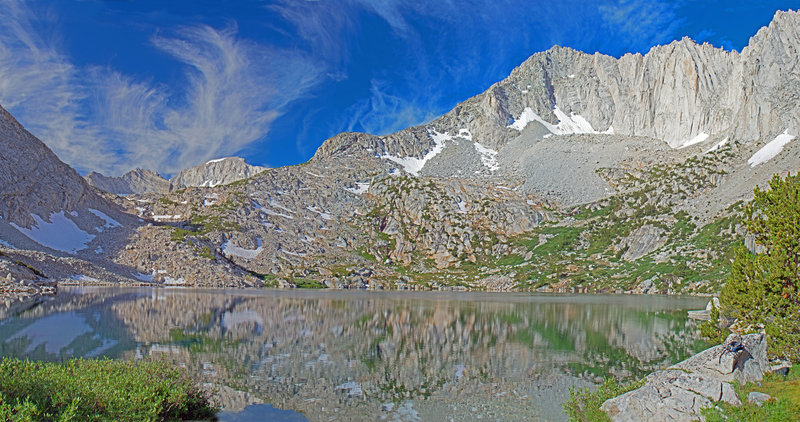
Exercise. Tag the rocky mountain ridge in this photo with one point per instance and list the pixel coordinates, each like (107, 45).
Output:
(209, 174)
(576, 173)
(134, 181)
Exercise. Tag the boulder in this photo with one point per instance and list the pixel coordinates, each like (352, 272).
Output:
(679, 392)
(758, 398)
(642, 241)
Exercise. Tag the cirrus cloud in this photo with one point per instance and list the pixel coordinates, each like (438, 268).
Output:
(97, 118)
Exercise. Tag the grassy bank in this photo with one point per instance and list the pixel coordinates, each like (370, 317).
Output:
(101, 390)
(784, 405)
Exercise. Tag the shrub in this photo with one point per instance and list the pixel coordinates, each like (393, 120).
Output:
(100, 390)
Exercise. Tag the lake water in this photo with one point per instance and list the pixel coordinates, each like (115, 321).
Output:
(345, 355)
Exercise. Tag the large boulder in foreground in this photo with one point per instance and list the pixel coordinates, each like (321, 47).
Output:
(680, 391)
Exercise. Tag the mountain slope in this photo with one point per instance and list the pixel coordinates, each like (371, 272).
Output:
(215, 172)
(578, 171)
(55, 228)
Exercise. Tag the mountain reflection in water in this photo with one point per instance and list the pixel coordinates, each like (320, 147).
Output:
(335, 355)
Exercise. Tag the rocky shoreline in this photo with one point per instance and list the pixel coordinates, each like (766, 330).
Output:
(678, 393)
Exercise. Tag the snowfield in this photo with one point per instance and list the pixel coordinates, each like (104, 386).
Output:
(61, 233)
(232, 250)
(696, 140)
(770, 150)
(567, 125)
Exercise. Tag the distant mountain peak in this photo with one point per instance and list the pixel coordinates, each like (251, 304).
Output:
(219, 171)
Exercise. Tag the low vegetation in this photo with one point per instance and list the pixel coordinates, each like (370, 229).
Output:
(99, 390)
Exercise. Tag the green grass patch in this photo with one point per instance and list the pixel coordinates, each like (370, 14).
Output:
(784, 405)
(166, 201)
(202, 225)
(307, 283)
(584, 405)
(99, 390)
(563, 239)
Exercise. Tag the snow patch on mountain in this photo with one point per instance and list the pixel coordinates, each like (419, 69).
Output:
(110, 222)
(717, 146)
(413, 165)
(231, 250)
(770, 150)
(166, 217)
(488, 156)
(701, 137)
(361, 188)
(60, 233)
(567, 125)
(324, 215)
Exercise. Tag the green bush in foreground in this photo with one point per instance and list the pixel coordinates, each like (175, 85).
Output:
(764, 289)
(100, 390)
(583, 405)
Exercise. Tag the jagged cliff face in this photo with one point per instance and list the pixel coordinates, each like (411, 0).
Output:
(578, 171)
(673, 93)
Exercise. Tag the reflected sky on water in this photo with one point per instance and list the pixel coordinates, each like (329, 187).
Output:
(343, 355)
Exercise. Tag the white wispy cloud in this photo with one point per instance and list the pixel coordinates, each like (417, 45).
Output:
(100, 119)
(385, 111)
(640, 24)
(39, 85)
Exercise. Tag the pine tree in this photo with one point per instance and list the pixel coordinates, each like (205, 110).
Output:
(764, 289)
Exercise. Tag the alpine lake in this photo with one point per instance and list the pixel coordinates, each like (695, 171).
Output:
(295, 355)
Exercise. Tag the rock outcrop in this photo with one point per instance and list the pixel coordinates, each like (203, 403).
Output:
(642, 241)
(679, 392)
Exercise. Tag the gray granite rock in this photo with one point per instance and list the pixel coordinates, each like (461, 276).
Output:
(679, 392)
(642, 241)
(758, 398)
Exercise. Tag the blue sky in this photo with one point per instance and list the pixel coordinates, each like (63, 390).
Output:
(114, 85)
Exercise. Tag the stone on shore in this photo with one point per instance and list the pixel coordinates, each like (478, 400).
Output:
(679, 392)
